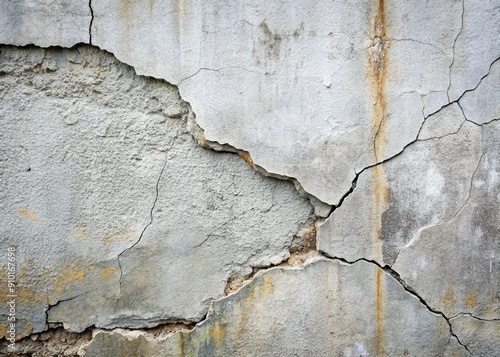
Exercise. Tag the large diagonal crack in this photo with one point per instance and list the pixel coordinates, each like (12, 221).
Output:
(356, 177)
(389, 270)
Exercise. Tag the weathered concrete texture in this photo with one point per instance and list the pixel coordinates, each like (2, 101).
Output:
(45, 23)
(425, 185)
(118, 216)
(454, 265)
(371, 71)
(303, 312)
(345, 56)
(482, 338)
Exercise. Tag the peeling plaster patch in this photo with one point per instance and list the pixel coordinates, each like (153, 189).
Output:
(137, 225)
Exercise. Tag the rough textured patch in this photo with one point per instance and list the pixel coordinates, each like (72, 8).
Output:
(318, 319)
(344, 56)
(114, 208)
(461, 255)
(52, 343)
(119, 218)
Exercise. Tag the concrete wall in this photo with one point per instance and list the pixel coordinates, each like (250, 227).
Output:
(211, 178)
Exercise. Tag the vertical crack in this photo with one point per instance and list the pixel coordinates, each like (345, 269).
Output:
(453, 51)
(91, 21)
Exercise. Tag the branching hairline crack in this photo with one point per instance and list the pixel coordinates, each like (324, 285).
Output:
(172, 143)
(453, 50)
(262, 72)
(468, 314)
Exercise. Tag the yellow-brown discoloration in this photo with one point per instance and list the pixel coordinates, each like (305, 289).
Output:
(30, 215)
(125, 8)
(181, 8)
(471, 300)
(122, 234)
(26, 330)
(259, 289)
(246, 156)
(107, 272)
(151, 6)
(216, 333)
(378, 66)
(448, 298)
(185, 5)
(3, 330)
(378, 75)
(25, 295)
(68, 278)
(81, 232)
(379, 313)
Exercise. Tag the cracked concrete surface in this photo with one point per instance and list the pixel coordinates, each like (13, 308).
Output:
(318, 319)
(384, 115)
(128, 186)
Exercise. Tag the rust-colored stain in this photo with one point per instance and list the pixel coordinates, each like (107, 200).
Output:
(26, 213)
(448, 299)
(180, 343)
(246, 156)
(107, 272)
(377, 61)
(449, 296)
(26, 295)
(69, 277)
(181, 8)
(378, 66)
(259, 289)
(471, 300)
(379, 315)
